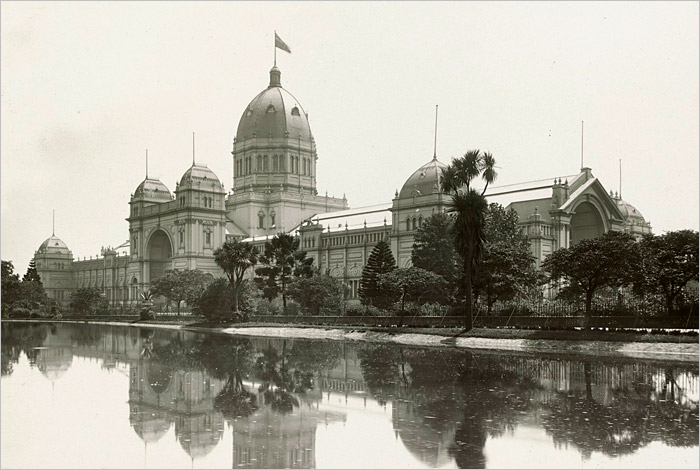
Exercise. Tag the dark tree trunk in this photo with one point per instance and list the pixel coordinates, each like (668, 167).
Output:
(468, 276)
(489, 302)
(235, 298)
(587, 314)
(669, 304)
(284, 295)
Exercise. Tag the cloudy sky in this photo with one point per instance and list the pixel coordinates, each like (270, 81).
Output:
(88, 87)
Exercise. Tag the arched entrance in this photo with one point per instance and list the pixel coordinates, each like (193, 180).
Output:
(159, 253)
(586, 223)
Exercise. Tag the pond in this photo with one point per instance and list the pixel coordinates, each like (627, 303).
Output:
(89, 396)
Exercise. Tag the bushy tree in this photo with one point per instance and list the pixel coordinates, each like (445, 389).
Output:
(88, 300)
(11, 288)
(413, 284)
(178, 286)
(235, 258)
(591, 265)
(319, 293)
(434, 247)
(380, 261)
(281, 262)
(666, 264)
(23, 298)
(470, 207)
(507, 266)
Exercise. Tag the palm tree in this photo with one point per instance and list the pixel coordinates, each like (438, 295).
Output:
(470, 206)
(235, 257)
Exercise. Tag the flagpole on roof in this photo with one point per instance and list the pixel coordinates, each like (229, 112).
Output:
(582, 145)
(275, 48)
(435, 141)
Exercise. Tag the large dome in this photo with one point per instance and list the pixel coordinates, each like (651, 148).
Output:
(274, 113)
(53, 244)
(425, 180)
(152, 189)
(630, 212)
(199, 174)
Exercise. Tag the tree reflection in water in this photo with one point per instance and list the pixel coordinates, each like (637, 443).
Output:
(445, 403)
(635, 417)
(18, 338)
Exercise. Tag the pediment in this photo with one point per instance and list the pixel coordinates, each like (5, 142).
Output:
(592, 189)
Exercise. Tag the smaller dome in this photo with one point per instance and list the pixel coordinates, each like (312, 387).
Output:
(629, 212)
(152, 189)
(425, 180)
(199, 174)
(55, 245)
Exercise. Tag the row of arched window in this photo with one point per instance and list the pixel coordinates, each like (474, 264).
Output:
(206, 200)
(261, 164)
(413, 223)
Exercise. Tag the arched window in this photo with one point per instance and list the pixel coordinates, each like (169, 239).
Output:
(295, 111)
(275, 165)
(261, 219)
(414, 223)
(408, 224)
(258, 164)
(420, 221)
(271, 109)
(265, 165)
(272, 219)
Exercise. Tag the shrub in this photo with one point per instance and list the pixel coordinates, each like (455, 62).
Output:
(293, 309)
(359, 310)
(267, 307)
(216, 302)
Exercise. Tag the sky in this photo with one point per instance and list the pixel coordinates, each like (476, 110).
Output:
(87, 87)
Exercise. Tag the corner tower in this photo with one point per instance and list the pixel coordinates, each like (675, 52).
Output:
(274, 166)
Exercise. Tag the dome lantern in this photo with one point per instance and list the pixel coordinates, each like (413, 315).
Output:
(275, 77)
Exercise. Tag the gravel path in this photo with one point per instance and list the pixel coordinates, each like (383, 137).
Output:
(687, 352)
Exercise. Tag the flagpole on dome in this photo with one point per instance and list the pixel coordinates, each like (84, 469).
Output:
(275, 48)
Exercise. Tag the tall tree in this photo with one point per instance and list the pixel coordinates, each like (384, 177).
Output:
(282, 261)
(380, 261)
(507, 266)
(591, 265)
(666, 264)
(470, 206)
(178, 286)
(235, 258)
(434, 247)
(32, 274)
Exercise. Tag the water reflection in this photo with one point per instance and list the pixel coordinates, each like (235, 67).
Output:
(275, 396)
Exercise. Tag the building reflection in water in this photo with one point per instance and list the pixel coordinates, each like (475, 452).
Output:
(444, 404)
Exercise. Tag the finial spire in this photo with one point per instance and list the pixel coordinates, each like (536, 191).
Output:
(146, 163)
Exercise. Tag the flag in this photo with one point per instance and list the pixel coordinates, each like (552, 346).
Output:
(279, 44)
